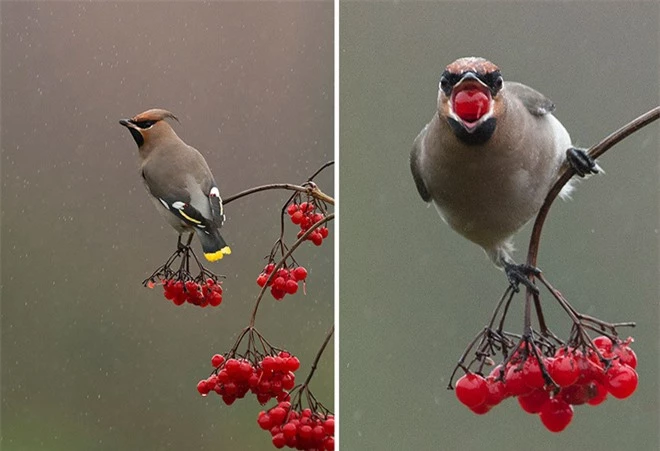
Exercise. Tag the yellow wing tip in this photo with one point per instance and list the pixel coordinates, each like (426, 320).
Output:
(215, 256)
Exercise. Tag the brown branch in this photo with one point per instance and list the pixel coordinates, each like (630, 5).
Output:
(312, 190)
(568, 172)
(318, 355)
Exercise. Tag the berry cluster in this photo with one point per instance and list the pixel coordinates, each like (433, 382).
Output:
(305, 429)
(269, 378)
(196, 293)
(285, 282)
(579, 376)
(304, 215)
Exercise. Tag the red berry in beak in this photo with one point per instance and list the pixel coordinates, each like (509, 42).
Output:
(471, 104)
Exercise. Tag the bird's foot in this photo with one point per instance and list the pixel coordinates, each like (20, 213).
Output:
(180, 246)
(517, 274)
(581, 162)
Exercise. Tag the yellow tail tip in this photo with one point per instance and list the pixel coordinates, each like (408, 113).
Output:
(217, 255)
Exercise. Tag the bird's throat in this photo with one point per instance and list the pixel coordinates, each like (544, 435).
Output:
(476, 136)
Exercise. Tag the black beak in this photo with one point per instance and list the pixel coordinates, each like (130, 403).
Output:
(125, 122)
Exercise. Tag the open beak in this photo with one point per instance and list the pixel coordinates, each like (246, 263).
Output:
(471, 102)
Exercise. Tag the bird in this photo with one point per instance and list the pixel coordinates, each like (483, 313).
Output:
(179, 181)
(489, 156)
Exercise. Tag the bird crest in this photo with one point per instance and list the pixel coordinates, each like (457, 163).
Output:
(472, 64)
(154, 114)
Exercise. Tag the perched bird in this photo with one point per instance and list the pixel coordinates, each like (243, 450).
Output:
(490, 155)
(179, 181)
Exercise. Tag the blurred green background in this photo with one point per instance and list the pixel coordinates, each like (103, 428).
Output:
(413, 292)
(91, 360)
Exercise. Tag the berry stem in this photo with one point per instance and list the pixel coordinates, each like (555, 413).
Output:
(273, 273)
(321, 169)
(331, 331)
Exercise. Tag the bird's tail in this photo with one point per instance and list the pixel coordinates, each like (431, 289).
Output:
(213, 245)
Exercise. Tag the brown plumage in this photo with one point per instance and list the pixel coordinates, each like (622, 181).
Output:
(179, 180)
(488, 172)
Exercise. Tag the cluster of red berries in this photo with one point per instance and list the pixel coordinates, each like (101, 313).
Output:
(579, 376)
(269, 378)
(304, 429)
(201, 294)
(285, 281)
(303, 215)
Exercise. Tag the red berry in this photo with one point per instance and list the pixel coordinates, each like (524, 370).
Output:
(496, 391)
(297, 217)
(300, 273)
(279, 441)
(279, 283)
(603, 343)
(481, 409)
(202, 387)
(288, 381)
(233, 367)
(291, 286)
(329, 444)
(534, 401)
(514, 382)
(215, 299)
(471, 390)
(531, 373)
(264, 421)
(621, 381)
(217, 360)
(598, 393)
(289, 430)
(179, 299)
(277, 415)
(316, 238)
(324, 232)
(318, 433)
(470, 104)
(292, 364)
(291, 209)
(277, 294)
(329, 426)
(577, 394)
(626, 356)
(261, 280)
(564, 370)
(305, 432)
(556, 414)
(268, 363)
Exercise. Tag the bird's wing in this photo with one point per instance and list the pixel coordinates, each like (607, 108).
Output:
(177, 199)
(217, 212)
(414, 165)
(535, 102)
(209, 188)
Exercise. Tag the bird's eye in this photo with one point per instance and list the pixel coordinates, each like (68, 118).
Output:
(498, 83)
(145, 124)
(444, 83)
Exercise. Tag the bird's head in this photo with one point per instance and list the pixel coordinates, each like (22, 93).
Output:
(149, 125)
(469, 100)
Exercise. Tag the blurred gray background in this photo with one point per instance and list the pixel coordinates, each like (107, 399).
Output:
(413, 292)
(90, 358)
